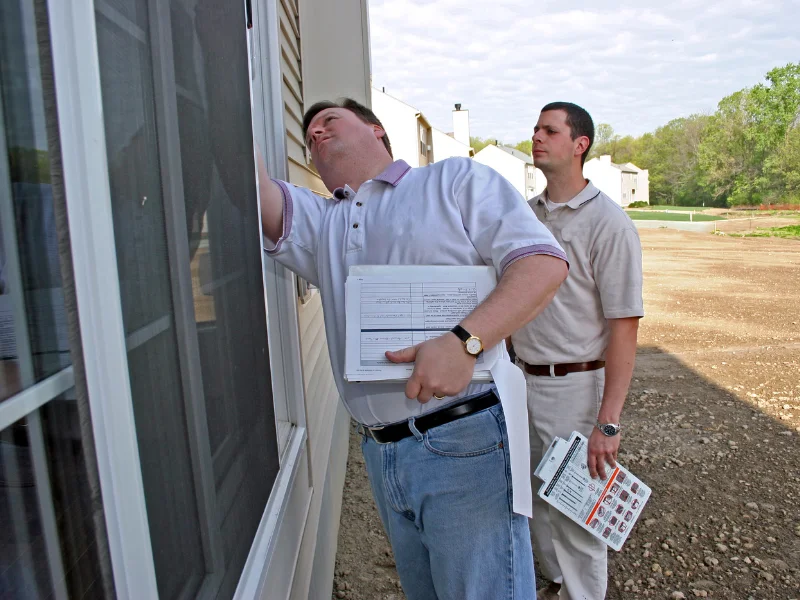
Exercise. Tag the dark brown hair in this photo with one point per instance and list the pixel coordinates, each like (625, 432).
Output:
(361, 111)
(579, 122)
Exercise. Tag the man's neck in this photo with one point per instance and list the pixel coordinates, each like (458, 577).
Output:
(563, 187)
(357, 172)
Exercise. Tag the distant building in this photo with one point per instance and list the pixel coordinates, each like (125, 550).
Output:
(515, 166)
(413, 138)
(622, 183)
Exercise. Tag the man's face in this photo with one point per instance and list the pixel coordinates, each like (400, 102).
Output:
(553, 146)
(335, 132)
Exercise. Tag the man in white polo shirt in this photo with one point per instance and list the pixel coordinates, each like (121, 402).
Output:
(578, 354)
(436, 448)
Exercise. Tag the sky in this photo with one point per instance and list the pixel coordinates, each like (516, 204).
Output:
(635, 67)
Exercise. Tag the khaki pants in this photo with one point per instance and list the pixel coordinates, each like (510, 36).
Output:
(567, 553)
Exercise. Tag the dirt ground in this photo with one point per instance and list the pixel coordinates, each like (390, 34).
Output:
(711, 424)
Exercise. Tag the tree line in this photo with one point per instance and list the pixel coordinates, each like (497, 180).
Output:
(746, 153)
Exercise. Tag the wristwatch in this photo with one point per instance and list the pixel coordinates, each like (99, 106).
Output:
(472, 344)
(609, 429)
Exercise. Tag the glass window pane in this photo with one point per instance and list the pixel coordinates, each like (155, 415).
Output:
(36, 522)
(190, 271)
(171, 491)
(33, 331)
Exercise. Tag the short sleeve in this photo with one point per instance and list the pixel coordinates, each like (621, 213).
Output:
(617, 263)
(500, 224)
(303, 213)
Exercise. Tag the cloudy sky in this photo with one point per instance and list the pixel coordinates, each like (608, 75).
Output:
(635, 67)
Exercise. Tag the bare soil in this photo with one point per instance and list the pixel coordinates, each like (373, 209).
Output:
(712, 424)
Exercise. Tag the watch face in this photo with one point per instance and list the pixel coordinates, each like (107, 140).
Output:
(609, 430)
(474, 346)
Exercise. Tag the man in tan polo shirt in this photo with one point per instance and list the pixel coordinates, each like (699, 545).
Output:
(578, 354)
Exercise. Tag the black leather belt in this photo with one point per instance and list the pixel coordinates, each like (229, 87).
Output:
(399, 431)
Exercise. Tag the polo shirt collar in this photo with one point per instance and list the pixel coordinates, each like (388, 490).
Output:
(391, 175)
(590, 192)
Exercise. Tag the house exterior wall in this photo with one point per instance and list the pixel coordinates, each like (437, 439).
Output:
(605, 176)
(629, 184)
(445, 146)
(508, 166)
(643, 191)
(540, 182)
(401, 124)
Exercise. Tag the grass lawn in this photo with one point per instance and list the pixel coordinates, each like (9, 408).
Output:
(666, 207)
(790, 232)
(644, 215)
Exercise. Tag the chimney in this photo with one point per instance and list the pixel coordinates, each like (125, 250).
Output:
(461, 125)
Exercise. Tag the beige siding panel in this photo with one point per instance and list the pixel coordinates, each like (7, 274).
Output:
(295, 152)
(305, 177)
(290, 67)
(288, 37)
(292, 12)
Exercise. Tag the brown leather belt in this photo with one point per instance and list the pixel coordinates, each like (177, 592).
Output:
(563, 369)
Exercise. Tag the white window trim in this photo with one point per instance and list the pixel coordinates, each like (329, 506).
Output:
(270, 133)
(82, 132)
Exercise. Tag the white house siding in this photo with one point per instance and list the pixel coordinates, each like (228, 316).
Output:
(445, 146)
(540, 182)
(643, 191)
(507, 165)
(605, 176)
(401, 123)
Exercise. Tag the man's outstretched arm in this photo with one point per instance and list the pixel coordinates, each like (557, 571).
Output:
(271, 201)
(525, 289)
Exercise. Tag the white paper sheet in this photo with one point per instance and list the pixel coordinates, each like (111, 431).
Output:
(394, 307)
(513, 392)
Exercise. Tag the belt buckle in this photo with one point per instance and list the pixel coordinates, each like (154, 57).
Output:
(552, 370)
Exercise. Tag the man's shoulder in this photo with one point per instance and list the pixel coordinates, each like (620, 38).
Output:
(608, 215)
(448, 166)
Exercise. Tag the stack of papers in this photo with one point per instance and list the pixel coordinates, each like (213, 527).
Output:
(606, 508)
(395, 307)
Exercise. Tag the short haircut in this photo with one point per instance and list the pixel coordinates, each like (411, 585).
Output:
(579, 121)
(361, 111)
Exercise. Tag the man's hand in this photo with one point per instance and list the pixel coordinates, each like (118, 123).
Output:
(443, 368)
(602, 450)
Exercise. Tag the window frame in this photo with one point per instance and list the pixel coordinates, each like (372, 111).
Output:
(77, 80)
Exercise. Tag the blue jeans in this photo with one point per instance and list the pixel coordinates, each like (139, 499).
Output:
(444, 497)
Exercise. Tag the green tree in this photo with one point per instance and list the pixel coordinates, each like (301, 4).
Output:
(746, 137)
(479, 144)
(525, 146)
(784, 168)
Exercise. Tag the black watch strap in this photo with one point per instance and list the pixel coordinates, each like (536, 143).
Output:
(462, 333)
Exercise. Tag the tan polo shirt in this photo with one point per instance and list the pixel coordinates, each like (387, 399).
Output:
(604, 281)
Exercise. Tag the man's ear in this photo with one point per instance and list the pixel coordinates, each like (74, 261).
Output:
(379, 131)
(583, 144)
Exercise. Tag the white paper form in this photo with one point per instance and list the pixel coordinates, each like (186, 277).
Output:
(391, 308)
(395, 307)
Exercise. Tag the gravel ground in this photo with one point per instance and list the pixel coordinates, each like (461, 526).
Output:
(711, 424)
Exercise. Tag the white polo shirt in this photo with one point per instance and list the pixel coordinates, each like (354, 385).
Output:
(453, 212)
(604, 281)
